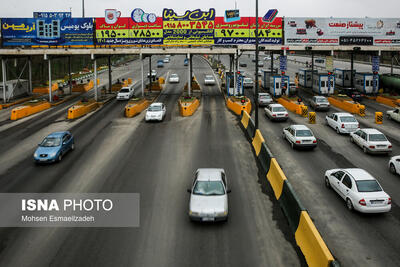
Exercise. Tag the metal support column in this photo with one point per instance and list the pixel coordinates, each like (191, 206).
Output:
(150, 75)
(50, 92)
(4, 70)
(109, 74)
(69, 75)
(191, 69)
(272, 62)
(30, 74)
(190, 74)
(256, 94)
(142, 69)
(96, 97)
(235, 70)
(391, 64)
(351, 69)
(312, 71)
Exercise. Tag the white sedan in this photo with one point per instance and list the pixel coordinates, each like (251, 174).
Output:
(155, 112)
(371, 140)
(276, 112)
(394, 114)
(342, 122)
(394, 165)
(359, 189)
(209, 196)
(299, 136)
(173, 78)
(209, 80)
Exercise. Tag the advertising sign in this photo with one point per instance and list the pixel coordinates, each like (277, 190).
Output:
(194, 27)
(237, 32)
(231, 15)
(41, 31)
(268, 32)
(282, 63)
(342, 31)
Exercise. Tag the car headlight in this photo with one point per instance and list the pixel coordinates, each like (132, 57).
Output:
(194, 213)
(35, 154)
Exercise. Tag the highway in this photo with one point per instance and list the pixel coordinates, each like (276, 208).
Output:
(353, 238)
(158, 161)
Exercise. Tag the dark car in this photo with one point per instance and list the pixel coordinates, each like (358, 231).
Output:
(353, 93)
(242, 64)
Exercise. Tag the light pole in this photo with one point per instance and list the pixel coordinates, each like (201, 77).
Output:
(83, 8)
(256, 90)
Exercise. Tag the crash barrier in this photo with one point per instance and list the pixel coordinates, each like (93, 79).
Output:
(134, 107)
(392, 102)
(238, 104)
(161, 80)
(45, 89)
(306, 235)
(28, 109)
(299, 109)
(129, 80)
(378, 117)
(82, 108)
(248, 125)
(16, 102)
(347, 105)
(312, 117)
(188, 107)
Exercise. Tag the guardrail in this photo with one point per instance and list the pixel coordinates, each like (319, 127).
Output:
(306, 234)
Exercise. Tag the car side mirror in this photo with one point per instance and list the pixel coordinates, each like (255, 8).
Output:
(189, 190)
(228, 191)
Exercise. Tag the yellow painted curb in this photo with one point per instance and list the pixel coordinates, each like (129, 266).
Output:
(257, 141)
(188, 108)
(81, 108)
(15, 102)
(237, 106)
(388, 101)
(311, 243)
(28, 109)
(276, 177)
(132, 109)
(347, 105)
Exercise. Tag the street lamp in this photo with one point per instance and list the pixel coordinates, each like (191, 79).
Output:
(83, 8)
(256, 91)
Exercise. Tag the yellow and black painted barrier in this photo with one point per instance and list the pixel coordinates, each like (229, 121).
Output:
(347, 105)
(187, 107)
(378, 117)
(312, 117)
(306, 234)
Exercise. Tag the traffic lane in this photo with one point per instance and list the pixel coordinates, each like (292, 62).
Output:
(372, 239)
(169, 155)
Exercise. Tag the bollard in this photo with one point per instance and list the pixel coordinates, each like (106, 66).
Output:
(304, 111)
(312, 116)
(378, 117)
(361, 110)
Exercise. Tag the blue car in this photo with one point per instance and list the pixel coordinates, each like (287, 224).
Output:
(54, 147)
(160, 63)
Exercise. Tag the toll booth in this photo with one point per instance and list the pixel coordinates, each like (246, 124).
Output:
(278, 83)
(343, 77)
(364, 82)
(321, 84)
(266, 77)
(305, 77)
(14, 88)
(230, 84)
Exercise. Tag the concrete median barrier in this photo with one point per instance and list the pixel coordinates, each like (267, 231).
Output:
(238, 104)
(248, 127)
(347, 105)
(391, 102)
(15, 102)
(187, 107)
(28, 109)
(290, 204)
(257, 141)
(276, 178)
(82, 108)
(45, 89)
(134, 107)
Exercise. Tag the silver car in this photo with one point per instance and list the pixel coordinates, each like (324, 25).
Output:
(319, 103)
(209, 80)
(264, 99)
(209, 196)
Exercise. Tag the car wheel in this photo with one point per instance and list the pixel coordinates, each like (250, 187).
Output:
(349, 204)
(392, 168)
(327, 183)
(365, 150)
(351, 139)
(59, 158)
(73, 146)
(337, 130)
(389, 117)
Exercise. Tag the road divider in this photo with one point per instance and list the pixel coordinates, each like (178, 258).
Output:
(299, 109)
(82, 108)
(378, 117)
(305, 233)
(29, 108)
(347, 105)
(238, 104)
(389, 101)
(45, 89)
(188, 105)
(135, 106)
(15, 102)
(312, 117)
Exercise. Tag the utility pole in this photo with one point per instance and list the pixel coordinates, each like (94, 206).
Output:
(256, 91)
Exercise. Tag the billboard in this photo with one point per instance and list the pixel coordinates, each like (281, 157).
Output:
(342, 31)
(47, 31)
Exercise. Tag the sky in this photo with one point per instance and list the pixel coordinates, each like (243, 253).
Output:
(287, 8)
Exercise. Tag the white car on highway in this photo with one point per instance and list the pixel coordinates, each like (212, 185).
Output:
(299, 136)
(173, 78)
(371, 140)
(342, 122)
(394, 165)
(155, 112)
(264, 99)
(276, 112)
(209, 196)
(248, 82)
(359, 189)
(394, 114)
(209, 80)
(125, 93)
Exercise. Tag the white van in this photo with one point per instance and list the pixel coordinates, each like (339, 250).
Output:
(125, 93)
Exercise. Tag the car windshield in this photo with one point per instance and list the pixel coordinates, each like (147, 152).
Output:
(209, 188)
(154, 108)
(51, 141)
(322, 100)
(126, 90)
(348, 119)
(278, 109)
(209, 77)
(377, 137)
(174, 75)
(303, 133)
(368, 186)
(265, 97)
